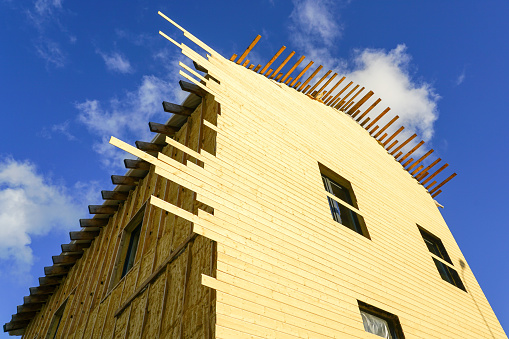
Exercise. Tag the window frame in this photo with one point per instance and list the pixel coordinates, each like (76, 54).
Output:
(337, 203)
(441, 259)
(56, 319)
(125, 259)
(392, 320)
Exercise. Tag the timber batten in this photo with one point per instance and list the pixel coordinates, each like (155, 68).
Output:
(235, 233)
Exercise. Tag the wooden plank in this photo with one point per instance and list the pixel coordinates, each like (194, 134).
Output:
(162, 129)
(278, 53)
(318, 82)
(56, 270)
(380, 116)
(294, 83)
(136, 164)
(437, 193)
(290, 71)
(199, 67)
(246, 63)
(49, 281)
(411, 151)
(34, 299)
(430, 185)
(393, 136)
(113, 195)
(257, 68)
(377, 101)
(436, 173)
(49, 289)
(102, 209)
(392, 145)
(94, 222)
(282, 64)
(233, 57)
(248, 49)
(251, 66)
(15, 325)
(428, 153)
(177, 109)
(403, 145)
(23, 316)
(386, 126)
(192, 88)
(310, 78)
(350, 102)
(269, 72)
(327, 82)
(338, 104)
(29, 308)
(66, 259)
(125, 180)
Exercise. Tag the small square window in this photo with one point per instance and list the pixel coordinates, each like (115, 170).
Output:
(380, 322)
(437, 249)
(342, 208)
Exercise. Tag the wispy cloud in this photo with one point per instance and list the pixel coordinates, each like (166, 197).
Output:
(51, 52)
(62, 128)
(315, 30)
(116, 62)
(460, 78)
(31, 205)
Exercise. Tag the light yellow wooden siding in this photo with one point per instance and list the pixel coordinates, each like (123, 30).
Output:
(285, 268)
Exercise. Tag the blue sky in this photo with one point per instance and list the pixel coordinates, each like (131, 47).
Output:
(74, 73)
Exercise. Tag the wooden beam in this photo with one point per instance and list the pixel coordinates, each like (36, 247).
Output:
(245, 63)
(380, 116)
(443, 182)
(420, 159)
(409, 161)
(56, 270)
(329, 94)
(278, 53)
(149, 146)
(411, 151)
(96, 222)
(360, 103)
(83, 235)
(257, 68)
(392, 145)
(113, 195)
(23, 316)
(102, 209)
(282, 64)
(34, 299)
(248, 49)
(424, 172)
(66, 259)
(42, 290)
(294, 83)
(319, 82)
(74, 248)
(332, 100)
(338, 103)
(270, 72)
(199, 67)
(310, 77)
(233, 57)
(125, 180)
(350, 102)
(49, 281)
(393, 136)
(327, 82)
(387, 126)
(137, 164)
(293, 68)
(368, 110)
(15, 325)
(192, 88)
(162, 129)
(251, 66)
(177, 109)
(437, 193)
(436, 173)
(29, 308)
(403, 145)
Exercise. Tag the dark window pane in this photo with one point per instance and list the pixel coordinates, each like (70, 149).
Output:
(344, 216)
(435, 245)
(448, 274)
(131, 250)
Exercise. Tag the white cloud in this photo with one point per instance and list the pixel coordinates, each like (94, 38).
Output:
(51, 52)
(47, 7)
(116, 62)
(31, 205)
(62, 128)
(460, 78)
(315, 30)
(126, 118)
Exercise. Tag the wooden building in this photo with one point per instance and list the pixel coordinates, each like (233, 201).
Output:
(271, 205)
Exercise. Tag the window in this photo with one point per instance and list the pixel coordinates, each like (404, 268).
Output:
(56, 320)
(342, 208)
(444, 266)
(128, 247)
(379, 322)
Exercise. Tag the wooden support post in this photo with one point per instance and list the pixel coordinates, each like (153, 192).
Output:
(273, 59)
(329, 94)
(432, 183)
(417, 170)
(248, 49)
(420, 159)
(392, 145)
(29, 307)
(408, 162)
(245, 63)
(403, 145)
(34, 299)
(411, 151)
(360, 103)
(162, 129)
(437, 193)
(177, 109)
(436, 173)
(309, 79)
(331, 100)
(296, 84)
(199, 67)
(43, 290)
(351, 101)
(293, 68)
(378, 117)
(424, 172)
(56, 270)
(327, 83)
(282, 65)
(251, 66)
(66, 259)
(257, 68)
(340, 102)
(318, 83)
(74, 248)
(49, 281)
(233, 57)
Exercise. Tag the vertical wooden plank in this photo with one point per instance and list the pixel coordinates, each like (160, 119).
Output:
(411, 151)
(282, 64)
(436, 173)
(248, 49)
(273, 59)
(403, 145)
(293, 68)
(377, 101)
(310, 77)
(293, 83)
(386, 126)
(393, 136)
